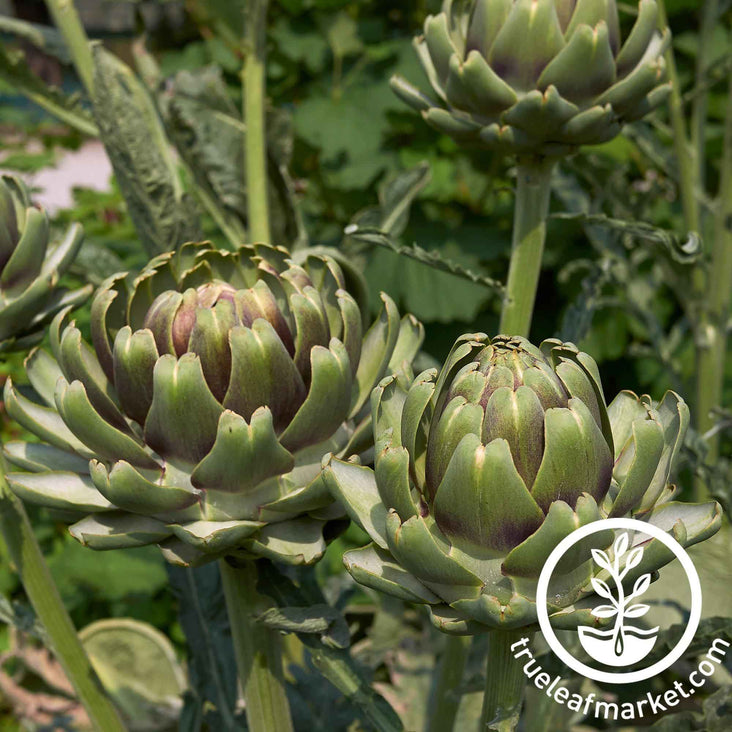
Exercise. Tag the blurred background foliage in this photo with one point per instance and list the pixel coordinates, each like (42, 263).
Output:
(344, 150)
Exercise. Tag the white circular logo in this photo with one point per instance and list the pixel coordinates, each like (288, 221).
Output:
(622, 643)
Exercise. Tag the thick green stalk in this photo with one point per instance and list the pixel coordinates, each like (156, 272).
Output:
(41, 591)
(255, 140)
(258, 651)
(449, 675)
(504, 683)
(529, 232)
(712, 345)
(66, 19)
(709, 17)
(688, 182)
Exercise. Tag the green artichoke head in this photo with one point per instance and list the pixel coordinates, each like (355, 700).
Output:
(30, 268)
(198, 417)
(482, 469)
(537, 76)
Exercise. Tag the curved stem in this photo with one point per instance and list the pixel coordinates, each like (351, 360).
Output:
(504, 682)
(255, 139)
(258, 651)
(529, 232)
(66, 19)
(46, 601)
(449, 674)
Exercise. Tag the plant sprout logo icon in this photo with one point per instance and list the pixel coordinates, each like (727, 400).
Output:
(623, 643)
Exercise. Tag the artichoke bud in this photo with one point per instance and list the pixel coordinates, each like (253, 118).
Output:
(30, 267)
(483, 469)
(648, 436)
(538, 76)
(214, 384)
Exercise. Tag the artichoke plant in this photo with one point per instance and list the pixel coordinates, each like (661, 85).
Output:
(198, 418)
(537, 76)
(482, 470)
(30, 268)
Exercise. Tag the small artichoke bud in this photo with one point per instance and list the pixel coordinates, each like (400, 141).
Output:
(537, 76)
(30, 268)
(648, 436)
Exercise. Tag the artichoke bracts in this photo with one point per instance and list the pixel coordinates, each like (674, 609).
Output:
(537, 76)
(482, 470)
(30, 268)
(199, 418)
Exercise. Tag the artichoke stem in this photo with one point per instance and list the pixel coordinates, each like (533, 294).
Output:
(504, 682)
(449, 674)
(713, 326)
(258, 651)
(255, 139)
(44, 597)
(529, 231)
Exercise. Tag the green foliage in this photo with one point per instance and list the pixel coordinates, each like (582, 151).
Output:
(15, 71)
(211, 664)
(129, 126)
(433, 230)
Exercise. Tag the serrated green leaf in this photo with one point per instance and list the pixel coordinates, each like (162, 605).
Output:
(322, 619)
(211, 662)
(425, 280)
(684, 249)
(133, 136)
(396, 195)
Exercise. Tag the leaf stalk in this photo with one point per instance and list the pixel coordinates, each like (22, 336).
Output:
(44, 597)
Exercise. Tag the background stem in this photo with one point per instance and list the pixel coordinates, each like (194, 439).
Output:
(255, 140)
(258, 651)
(504, 683)
(709, 16)
(529, 232)
(66, 19)
(43, 595)
(712, 341)
(449, 673)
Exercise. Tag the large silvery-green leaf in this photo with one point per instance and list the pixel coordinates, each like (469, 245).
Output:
(207, 130)
(133, 136)
(138, 667)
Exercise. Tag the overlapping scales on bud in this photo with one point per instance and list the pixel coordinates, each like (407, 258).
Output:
(482, 469)
(30, 268)
(537, 76)
(198, 419)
